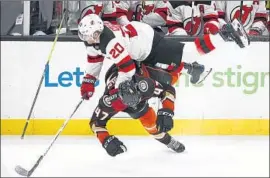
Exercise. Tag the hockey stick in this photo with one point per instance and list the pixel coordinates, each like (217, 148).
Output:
(41, 80)
(22, 171)
(192, 17)
(202, 23)
(241, 9)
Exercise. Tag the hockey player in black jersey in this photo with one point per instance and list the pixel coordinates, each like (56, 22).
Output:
(132, 97)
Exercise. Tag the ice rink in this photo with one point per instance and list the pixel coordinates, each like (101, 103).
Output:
(84, 157)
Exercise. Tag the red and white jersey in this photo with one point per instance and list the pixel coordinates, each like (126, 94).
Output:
(154, 13)
(125, 10)
(175, 17)
(180, 13)
(105, 9)
(122, 45)
(254, 14)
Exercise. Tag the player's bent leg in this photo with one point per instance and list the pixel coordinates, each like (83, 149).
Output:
(145, 114)
(231, 31)
(102, 114)
(110, 143)
(149, 122)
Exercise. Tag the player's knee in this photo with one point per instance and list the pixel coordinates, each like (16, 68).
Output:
(97, 126)
(97, 122)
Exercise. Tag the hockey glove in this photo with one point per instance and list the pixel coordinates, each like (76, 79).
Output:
(117, 103)
(113, 146)
(88, 86)
(164, 120)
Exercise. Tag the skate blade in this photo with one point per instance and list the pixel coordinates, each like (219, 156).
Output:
(204, 77)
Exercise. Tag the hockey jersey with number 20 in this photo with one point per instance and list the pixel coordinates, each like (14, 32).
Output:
(121, 45)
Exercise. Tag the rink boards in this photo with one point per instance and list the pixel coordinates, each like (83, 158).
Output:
(233, 100)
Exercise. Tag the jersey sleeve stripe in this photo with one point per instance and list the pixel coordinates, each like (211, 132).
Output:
(204, 44)
(261, 15)
(127, 64)
(123, 61)
(162, 12)
(109, 17)
(95, 59)
(128, 68)
(221, 14)
(120, 12)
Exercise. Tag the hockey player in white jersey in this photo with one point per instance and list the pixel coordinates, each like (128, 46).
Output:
(127, 11)
(181, 13)
(268, 21)
(78, 9)
(153, 13)
(253, 18)
(105, 9)
(125, 45)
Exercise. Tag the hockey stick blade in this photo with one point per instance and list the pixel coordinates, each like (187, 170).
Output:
(20, 170)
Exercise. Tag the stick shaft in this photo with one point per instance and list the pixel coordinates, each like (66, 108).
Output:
(54, 139)
(241, 10)
(41, 80)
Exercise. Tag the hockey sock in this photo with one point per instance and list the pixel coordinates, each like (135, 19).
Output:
(208, 43)
(102, 135)
(176, 73)
(202, 45)
(148, 120)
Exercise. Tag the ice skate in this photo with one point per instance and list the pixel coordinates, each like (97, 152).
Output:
(236, 32)
(176, 146)
(198, 72)
(171, 143)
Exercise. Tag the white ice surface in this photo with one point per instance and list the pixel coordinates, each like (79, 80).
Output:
(84, 157)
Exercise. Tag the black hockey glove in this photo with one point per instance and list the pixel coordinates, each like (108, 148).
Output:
(164, 120)
(113, 146)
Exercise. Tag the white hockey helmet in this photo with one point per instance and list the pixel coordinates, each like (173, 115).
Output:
(90, 27)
